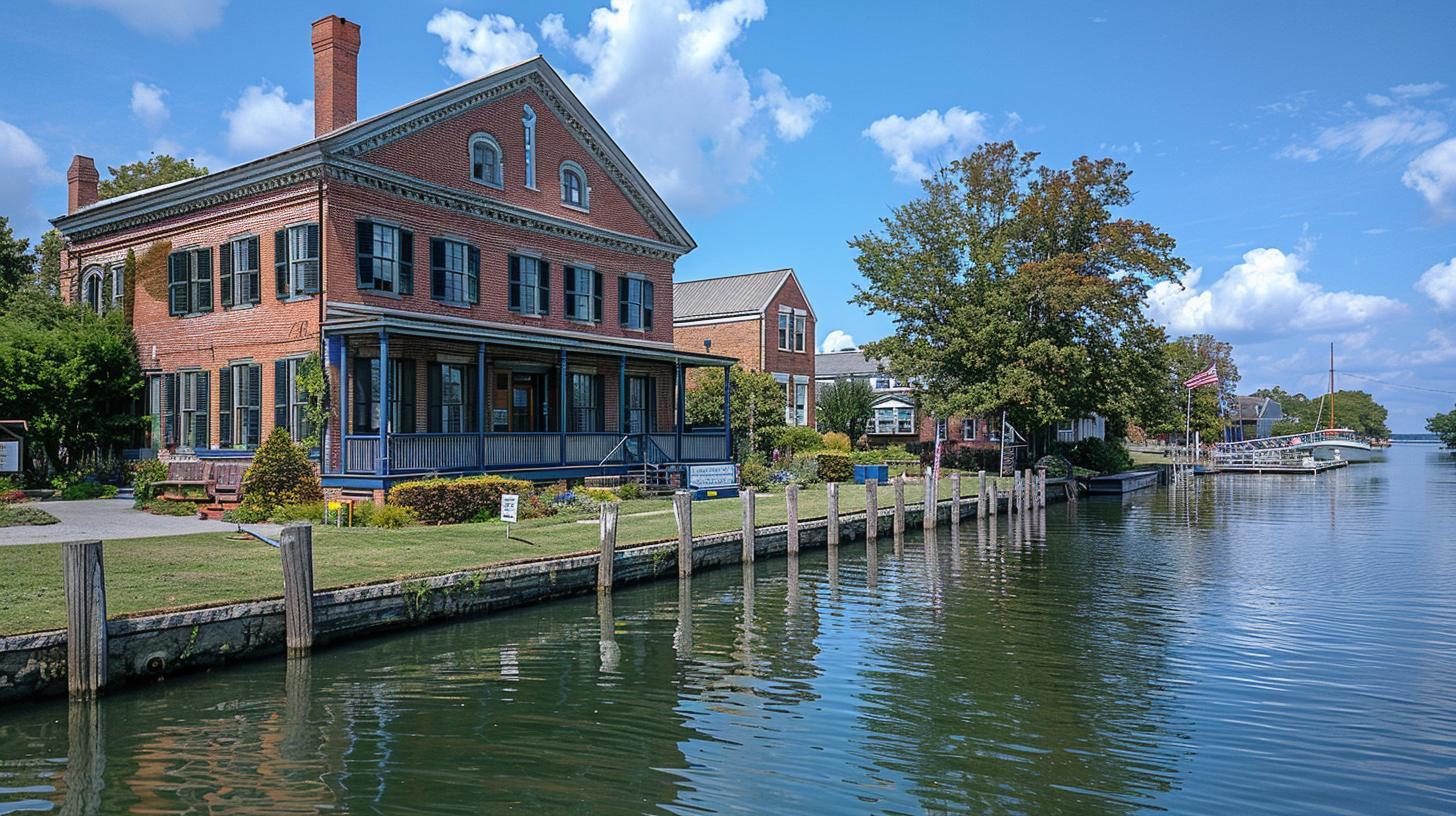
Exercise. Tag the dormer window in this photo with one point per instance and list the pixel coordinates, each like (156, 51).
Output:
(574, 190)
(485, 160)
(528, 122)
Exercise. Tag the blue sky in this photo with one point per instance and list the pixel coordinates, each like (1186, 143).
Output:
(1303, 154)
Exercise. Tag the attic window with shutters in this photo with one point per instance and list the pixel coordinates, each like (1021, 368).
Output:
(574, 190)
(528, 122)
(485, 160)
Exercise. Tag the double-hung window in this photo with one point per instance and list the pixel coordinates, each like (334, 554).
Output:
(239, 402)
(385, 257)
(192, 410)
(454, 272)
(296, 261)
(801, 403)
(583, 298)
(237, 273)
(189, 282)
(485, 159)
(634, 303)
(586, 403)
(365, 376)
(793, 326)
(891, 420)
(530, 285)
(289, 401)
(968, 429)
(452, 398)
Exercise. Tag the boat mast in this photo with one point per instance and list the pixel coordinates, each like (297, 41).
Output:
(1332, 386)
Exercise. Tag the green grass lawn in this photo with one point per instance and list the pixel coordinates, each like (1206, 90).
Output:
(149, 574)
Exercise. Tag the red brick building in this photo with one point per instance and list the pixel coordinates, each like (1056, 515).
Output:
(489, 241)
(764, 319)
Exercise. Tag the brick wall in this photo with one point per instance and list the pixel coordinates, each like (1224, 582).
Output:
(796, 363)
(740, 339)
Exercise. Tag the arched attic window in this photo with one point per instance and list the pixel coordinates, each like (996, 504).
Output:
(92, 292)
(575, 192)
(485, 160)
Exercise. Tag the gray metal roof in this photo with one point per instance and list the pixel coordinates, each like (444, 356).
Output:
(729, 296)
(837, 364)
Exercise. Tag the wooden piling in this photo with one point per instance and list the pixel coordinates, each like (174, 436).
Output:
(831, 531)
(872, 510)
(992, 491)
(682, 511)
(1029, 485)
(85, 583)
(955, 504)
(898, 525)
(930, 504)
(981, 497)
(1041, 487)
(1014, 505)
(296, 545)
(791, 501)
(750, 522)
(606, 562)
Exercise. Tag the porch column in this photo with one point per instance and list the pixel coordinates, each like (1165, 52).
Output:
(680, 383)
(561, 406)
(622, 396)
(727, 412)
(344, 403)
(480, 411)
(382, 462)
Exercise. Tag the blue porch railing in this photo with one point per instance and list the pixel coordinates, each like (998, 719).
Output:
(462, 452)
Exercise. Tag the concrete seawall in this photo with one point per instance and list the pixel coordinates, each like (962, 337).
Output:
(146, 648)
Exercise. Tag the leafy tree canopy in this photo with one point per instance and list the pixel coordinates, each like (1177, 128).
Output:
(1356, 410)
(1015, 287)
(48, 255)
(844, 407)
(1444, 426)
(17, 265)
(139, 175)
(757, 403)
(1211, 406)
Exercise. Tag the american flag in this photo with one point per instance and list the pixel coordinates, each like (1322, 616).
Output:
(1207, 377)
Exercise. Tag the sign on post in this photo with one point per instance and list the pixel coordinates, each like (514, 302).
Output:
(510, 502)
(713, 481)
(9, 457)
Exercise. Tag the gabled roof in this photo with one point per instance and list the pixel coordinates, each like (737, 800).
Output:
(305, 161)
(834, 365)
(743, 295)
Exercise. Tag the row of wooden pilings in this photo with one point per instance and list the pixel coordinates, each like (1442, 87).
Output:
(85, 584)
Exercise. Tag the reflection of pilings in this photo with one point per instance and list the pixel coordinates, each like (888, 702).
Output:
(611, 653)
(832, 568)
(745, 641)
(791, 595)
(85, 774)
(682, 639)
(297, 693)
(872, 565)
(932, 566)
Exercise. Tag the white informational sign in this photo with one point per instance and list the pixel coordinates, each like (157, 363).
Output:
(712, 476)
(509, 503)
(9, 457)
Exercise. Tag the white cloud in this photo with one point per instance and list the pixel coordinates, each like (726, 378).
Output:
(1263, 296)
(476, 47)
(265, 121)
(837, 340)
(1406, 126)
(176, 19)
(22, 170)
(663, 79)
(148, 106)
(914, 144)
(1298, 153)
(1433, 175)
(1414, 89)
(1438, 348)
(1439, 284)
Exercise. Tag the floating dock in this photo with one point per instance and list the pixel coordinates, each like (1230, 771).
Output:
(1306, 467)
(1117, 484)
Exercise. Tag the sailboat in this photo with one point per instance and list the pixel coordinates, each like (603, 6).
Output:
(1335, 442)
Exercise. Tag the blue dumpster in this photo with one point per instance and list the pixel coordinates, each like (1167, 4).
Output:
(880, 473)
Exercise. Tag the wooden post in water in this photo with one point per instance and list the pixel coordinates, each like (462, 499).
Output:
(791, 501)
(607, 561)
(1012, 506)
(981, 494)
(296, 545)
(831, 531)
(872, 510)
(1030, 483)
(898, 525)
(85, 582)
(930, 504)
(750, 523)
(1041, 487)
(992, 491)
(682, 510)
(955, 504)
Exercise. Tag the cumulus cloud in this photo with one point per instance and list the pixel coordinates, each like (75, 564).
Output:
(837, 340)
(1439, 284)
(1405, 126)
(912, 145)
(265, 121)
(176, 19)
(1433, 175)
(1263, 296)
(663, 79)
(475, 47)
(22, 170)
(148, 106)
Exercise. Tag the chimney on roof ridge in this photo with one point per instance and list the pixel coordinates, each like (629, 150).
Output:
(335, 74)
(81, 181)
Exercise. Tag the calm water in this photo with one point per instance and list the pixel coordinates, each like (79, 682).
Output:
(1261, 645)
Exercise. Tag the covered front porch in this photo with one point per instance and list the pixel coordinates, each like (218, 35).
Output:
(465, 397)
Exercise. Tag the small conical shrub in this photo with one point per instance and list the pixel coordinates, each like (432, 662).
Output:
(280, 474)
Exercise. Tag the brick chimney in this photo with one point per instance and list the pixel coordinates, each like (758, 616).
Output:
(81, 180)
(335, 74)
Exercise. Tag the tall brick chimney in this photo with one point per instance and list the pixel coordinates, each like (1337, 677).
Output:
(335, 74)
(81, 180)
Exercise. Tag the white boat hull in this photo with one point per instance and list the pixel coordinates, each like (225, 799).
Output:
(1342, 449)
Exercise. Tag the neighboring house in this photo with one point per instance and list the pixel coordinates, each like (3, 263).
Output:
(1254, 418)
(764, 319)
(487, 276)
(896, 418)
(1075, 430)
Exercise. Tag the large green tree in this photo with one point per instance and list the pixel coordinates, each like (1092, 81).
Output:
(1016, 287)
(139, 175)
(1356, 410)
(1444, 426)
(757, 403)
(17, 265)
(844, 407)
(48, 261)
(1211, 405)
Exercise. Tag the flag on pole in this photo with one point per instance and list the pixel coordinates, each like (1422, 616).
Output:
(1208, 377)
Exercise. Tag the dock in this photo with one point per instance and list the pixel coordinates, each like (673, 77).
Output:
(1117, 484)
(1305, 466)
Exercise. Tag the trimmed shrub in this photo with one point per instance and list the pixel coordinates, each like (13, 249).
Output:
(836, 441)
(534, 506)
(245, 515)
(835, 467)
(144, 475)
(306, 511)
(804, 469)
(631, 490)
(454, 501)
(792, 439)
(879, 456)
(388, 517)
(281, 474)
(598, 494)
(755, 474)
(164, 507)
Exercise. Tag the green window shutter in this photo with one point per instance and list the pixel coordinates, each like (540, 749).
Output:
(311, 273)
(362, 378)
(225, 274)
(647, 306)
(622, 301)
(169, 409)
(515, 284)
(204, 408)
(177, 300)
(406, 262)
(225, 407)
(202, 280)
(403, 393)
(470, 423)
(472, 274)
(364, 253)
(568, 291)
(432, 399)
(280, 394)
(255, 401)
(543, 282)
(280, 266)
(437, 268)
(253, 295)
(597, 296)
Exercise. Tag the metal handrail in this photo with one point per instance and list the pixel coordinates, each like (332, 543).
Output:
(613, 451)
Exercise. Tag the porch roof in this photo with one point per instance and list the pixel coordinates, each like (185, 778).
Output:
(357, 318)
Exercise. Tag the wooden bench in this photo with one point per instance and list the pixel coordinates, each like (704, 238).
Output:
(225, 481)
(180, 477)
